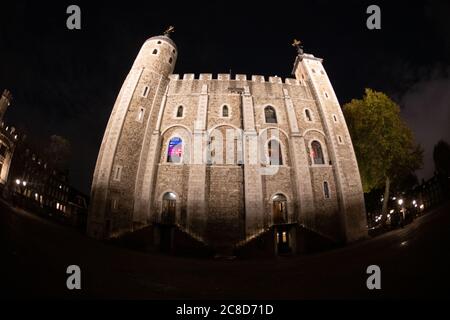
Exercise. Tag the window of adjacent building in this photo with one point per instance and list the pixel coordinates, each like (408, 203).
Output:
(145, 92)
(175, 150)
(270, 114)
(140, 115)
(308, 115)
(316, 153)
(225, 111)
(326, 190)
(274, 153)
(117, 173)
(180, 112)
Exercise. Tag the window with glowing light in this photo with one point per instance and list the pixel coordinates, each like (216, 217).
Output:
(175, 150)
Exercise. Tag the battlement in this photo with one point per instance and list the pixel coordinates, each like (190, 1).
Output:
(236, 77)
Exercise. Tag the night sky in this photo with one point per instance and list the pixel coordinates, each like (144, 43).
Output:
(65, 81)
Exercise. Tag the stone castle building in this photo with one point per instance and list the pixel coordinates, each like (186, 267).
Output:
(226, 160)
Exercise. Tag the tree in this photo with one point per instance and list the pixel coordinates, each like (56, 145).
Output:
(383, 143)
(441, 157)
(58, 152)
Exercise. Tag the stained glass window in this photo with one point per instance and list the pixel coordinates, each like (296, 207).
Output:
(175, 150)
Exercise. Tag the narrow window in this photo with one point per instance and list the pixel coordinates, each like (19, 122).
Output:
(270, 114)
(145, 92)
(308, 115)
(117, 173)
(170, 60)
(314, 71)
(175, 150)
(155, 51)
(326, 190)
(326, 95)
(159, 42)
(140, 115)
(180, 112)
(334, 118)
(317, 153)
(225, 111)
(340, 139)
(114, 204)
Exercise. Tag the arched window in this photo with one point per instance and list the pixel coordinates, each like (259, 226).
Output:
(175, 150)
(308, 115)
(326, 190)
(279, 209)
(317, 153)
(180, 112)
(225, 111)
(155, 51)
(270, 114)
(169, 203)
(274, 150)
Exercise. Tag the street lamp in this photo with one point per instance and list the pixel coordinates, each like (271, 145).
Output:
(17, 181)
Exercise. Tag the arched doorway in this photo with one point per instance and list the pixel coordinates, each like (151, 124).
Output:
(281, 226)
(169, 207)
(279, 209)
(167, 222)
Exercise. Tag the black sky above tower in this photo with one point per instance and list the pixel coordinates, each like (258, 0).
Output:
(65, 81)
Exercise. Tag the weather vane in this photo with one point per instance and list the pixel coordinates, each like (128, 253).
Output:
(298, 45)
(169, 30)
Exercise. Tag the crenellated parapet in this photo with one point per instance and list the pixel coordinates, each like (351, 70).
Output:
(236, 77)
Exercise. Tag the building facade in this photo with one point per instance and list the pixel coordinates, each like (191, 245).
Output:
(8, 138)
(30, 181)
(226, 159)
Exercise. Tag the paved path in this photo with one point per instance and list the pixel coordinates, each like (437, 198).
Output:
(414, 261)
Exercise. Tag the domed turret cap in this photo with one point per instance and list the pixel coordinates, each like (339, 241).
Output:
(166, 36)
